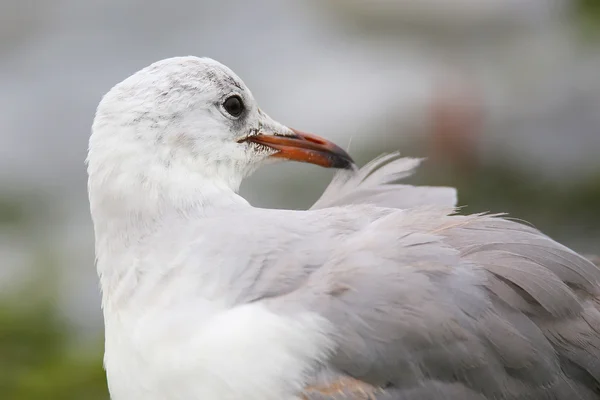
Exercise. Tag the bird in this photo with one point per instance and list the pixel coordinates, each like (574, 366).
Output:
(381, 290)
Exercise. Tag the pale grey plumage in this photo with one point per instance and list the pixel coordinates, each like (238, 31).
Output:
(458, 307)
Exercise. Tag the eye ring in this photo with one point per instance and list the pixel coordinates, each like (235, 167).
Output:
(234, 105)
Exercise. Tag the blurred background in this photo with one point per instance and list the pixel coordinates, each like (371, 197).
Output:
(501, 96)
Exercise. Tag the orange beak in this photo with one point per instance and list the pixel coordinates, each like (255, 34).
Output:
(305, 147)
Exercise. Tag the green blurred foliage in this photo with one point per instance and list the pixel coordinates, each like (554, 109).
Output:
(40, 356)
(12, 212)
(37, 361)
(587, 14)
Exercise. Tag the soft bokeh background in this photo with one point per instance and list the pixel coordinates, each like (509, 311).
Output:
(502, 96)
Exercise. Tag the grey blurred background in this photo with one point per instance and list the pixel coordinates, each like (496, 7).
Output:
(501, 96)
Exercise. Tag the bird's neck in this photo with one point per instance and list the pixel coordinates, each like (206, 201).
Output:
(129, 214)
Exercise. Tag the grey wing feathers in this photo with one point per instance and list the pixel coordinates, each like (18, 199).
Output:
(430, 305)
(374, 184)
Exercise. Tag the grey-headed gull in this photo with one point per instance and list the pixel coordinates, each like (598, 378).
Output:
(378, 291)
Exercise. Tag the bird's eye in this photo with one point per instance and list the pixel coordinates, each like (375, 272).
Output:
(234, 106)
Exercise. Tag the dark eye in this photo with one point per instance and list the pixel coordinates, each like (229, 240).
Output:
(234, 106)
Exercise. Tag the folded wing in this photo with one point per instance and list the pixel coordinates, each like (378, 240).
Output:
(429, 304)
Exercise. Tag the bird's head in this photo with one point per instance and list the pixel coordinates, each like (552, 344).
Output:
(189, 118)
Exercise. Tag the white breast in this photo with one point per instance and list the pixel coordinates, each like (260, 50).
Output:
(245, 352)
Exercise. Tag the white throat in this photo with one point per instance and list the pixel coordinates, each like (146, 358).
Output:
(133, 200)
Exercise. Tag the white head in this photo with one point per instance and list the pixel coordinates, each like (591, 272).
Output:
(179, 131)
